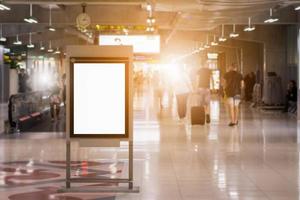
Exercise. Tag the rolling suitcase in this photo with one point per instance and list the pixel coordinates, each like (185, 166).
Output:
(197, 115)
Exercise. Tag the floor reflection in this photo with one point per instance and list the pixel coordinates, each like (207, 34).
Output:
(258, 159)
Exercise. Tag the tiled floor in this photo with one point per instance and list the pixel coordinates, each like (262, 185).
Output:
(256, 160)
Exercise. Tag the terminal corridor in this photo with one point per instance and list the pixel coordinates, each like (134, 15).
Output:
(149, 99)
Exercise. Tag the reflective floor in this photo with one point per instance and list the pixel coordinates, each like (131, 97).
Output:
(257, 160)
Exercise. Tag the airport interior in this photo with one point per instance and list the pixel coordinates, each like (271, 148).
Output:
(149, 99)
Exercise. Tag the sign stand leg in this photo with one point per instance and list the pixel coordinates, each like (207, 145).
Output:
(130, 164)
(68, 164)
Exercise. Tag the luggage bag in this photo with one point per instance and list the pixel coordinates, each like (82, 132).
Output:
(197, 115)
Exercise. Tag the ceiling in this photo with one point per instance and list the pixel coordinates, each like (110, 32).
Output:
(171, 15)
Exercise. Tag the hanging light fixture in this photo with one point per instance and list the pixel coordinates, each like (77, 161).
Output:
(214, 43)
(201, 48)
(50, 27)
(148, 7)
(17, 42)
(50, 50)
(31, 19)
(150, 29)
(297, 8)
(222, 38)
(42, 48)
(249, 27)
(206, 46)
(3, 7)
(57, 51)
(233, 34)
(2, 39)
(30, 45)
(271, 19)
(150, 20)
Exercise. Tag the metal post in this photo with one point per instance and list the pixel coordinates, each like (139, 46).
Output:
(130, 163)
(68, 163)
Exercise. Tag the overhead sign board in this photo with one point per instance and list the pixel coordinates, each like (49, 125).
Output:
(142, 44)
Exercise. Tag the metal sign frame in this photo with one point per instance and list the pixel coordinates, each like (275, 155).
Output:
(126, 137)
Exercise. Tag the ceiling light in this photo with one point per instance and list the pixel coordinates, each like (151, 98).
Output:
(214, 43)
(57, 51)
(2, 39)
(30, 45)
(297, 8)
(3, 7)
(150, 20)
(17, 42)
(233, 34)
(42, 48)
(50, 27)
(222, 38)
(206, 46)
(50, 50)
(201, 48)
(148, 7)
(150, 29)
(31, 19)
(271, 19)
(249, 27)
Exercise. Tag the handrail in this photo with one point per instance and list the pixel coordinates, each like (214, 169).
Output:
(25, 106)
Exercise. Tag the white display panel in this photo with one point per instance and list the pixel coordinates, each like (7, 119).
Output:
(99, 96)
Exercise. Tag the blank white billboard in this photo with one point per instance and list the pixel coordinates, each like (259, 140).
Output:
(99, 96)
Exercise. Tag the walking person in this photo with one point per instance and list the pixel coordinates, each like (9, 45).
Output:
(182, 88)
(23, 81)
(55, 102)
(204, 75)
(233, 82)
